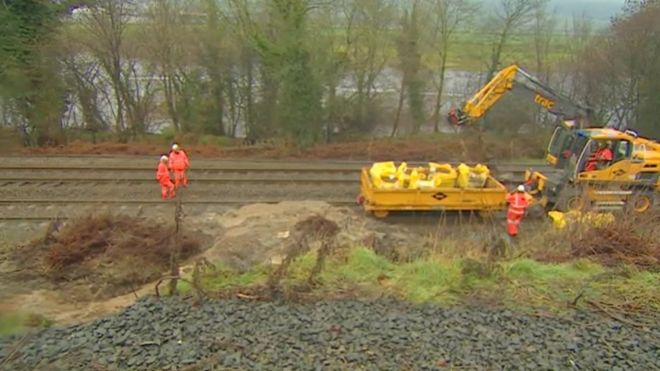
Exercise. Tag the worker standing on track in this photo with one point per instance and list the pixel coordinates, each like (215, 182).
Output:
(518, 202)
(179, 163)
(163, 177)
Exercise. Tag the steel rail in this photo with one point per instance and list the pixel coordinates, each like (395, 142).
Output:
(161, 202)
(193, 170)
(263, 181)
(191, 179)
(307, 168)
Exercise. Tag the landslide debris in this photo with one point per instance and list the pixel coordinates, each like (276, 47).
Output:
(108, 254)
(262, 233)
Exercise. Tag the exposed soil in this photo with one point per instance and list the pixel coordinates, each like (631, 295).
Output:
(99, 263)
(263, 233)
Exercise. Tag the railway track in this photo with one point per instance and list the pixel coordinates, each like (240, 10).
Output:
(43, 191)
(248, 180)
(141, 174)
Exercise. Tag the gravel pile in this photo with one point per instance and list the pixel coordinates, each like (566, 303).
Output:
(383, 335)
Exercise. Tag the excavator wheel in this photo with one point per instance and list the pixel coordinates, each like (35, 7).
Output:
(572, 199)
(642, 202)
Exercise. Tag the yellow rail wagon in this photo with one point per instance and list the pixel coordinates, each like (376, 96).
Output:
(385, 187)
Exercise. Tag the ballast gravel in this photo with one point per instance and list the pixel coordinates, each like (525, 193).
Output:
(173, 334)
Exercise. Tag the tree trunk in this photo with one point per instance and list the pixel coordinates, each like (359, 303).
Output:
(170, 100)
(397, 117)
(438, 98)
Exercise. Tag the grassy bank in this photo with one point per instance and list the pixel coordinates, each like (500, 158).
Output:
(12, 323)
(587, 264)
(520, 283)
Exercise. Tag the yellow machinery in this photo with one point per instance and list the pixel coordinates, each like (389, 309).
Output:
(380, 197)
(630, 179)
(514, 77)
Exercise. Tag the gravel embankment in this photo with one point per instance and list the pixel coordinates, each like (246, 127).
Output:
(383, 335)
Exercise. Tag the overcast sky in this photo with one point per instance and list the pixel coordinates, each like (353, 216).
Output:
(597, 9)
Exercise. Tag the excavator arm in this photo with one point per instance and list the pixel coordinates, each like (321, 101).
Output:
(514, 77)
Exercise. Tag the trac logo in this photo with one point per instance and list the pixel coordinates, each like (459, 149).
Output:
(543, 101)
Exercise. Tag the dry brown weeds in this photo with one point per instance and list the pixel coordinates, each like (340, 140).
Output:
(631, 240)
(450, 148)
(112, 253)
(617, 244)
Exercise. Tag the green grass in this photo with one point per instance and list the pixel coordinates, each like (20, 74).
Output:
(532, 271)
(541, 284)
(223, 277)
(362, 266)
(13, 322)
(430, 280)
(520, 283)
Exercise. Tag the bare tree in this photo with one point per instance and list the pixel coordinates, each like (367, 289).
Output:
(409, 53)
(544, 27)
(329, 55)
(123, 61)
(367, 24)
(580, 30)
(83, 79)
(104, 25)
(445, 19)
(509, 16)
(168, 40)
(543, 31)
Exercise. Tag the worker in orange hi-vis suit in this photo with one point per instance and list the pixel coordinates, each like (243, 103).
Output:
(179, 163)
(163, 177)
(518, 202)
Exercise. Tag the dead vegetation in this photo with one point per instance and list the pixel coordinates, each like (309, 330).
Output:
(632, 240)
(615, 245)
(112, 254)
(446, 148)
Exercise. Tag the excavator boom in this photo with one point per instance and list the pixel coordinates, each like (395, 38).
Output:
(514, 77)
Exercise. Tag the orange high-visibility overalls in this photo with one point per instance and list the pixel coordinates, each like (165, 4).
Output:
(517, 205)
(179, 164)
(604, 154)
(166, 185)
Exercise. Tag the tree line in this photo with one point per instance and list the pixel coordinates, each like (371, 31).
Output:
(304, 70)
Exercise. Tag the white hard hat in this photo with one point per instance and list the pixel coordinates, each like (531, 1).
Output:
(521, 188)
(163, 158)
(175, 147)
